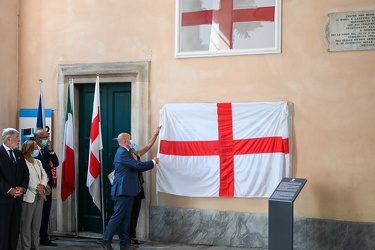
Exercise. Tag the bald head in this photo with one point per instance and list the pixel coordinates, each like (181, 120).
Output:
(123, 139)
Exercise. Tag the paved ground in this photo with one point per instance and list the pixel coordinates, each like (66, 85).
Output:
(74, 243)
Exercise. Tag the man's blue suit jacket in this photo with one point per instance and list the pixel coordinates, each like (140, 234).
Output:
(126, 173)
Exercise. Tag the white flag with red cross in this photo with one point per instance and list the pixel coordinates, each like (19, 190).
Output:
(223, 149)
(94, 166)
(224, 25)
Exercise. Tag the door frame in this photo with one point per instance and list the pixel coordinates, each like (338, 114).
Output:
(138, 74)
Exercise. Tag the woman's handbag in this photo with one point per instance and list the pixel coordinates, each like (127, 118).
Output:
(47, 190)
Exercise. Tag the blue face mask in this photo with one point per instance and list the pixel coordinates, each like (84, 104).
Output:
(35, 153)
(133, 146)
(44, 143)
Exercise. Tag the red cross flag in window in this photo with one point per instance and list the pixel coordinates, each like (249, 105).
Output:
(223, 149)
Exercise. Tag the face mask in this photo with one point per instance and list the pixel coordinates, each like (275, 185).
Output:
(44, 143)
(35, 153)
(133, 146)
(135, 149)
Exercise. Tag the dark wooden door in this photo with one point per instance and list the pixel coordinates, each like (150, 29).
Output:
(115, 108)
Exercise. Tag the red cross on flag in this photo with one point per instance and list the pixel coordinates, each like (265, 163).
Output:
(96, 145)
(223, 149)
(217, 25)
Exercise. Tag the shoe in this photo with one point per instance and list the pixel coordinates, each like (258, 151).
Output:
(52, 238)
(107, 246)
(126, 247)
(47, 242)
(135, 241)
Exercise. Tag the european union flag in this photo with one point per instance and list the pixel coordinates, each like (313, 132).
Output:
(40, 119)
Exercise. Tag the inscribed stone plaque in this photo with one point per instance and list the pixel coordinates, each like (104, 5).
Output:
(288, 189)
(351, 31)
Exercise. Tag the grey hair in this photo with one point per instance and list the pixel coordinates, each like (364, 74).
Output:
(38, 132)
(8, 132)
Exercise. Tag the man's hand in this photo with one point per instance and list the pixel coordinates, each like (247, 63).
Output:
(50, 148)
(156, 159)
(16, 192)
(40, 189)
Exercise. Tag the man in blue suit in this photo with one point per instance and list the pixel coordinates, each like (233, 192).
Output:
(46, 155)
(125, 187)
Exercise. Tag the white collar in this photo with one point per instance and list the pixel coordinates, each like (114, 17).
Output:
(6, 147)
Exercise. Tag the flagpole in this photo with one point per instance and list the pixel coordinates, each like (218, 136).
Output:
(101, 174)
(102, 191)
(71, 83)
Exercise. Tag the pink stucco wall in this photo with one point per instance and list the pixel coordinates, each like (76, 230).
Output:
(333, 93)
(8, 63)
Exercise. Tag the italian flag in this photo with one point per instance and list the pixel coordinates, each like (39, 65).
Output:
(68, 172)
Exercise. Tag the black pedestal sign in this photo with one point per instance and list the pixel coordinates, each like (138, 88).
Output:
(280, 213)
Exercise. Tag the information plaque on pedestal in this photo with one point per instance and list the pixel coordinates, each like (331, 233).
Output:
(280, 213)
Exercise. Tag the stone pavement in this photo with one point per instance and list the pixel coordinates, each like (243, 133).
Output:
(78, 243)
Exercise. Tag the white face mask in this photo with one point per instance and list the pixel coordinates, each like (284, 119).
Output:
(133, 146)
(35, 153)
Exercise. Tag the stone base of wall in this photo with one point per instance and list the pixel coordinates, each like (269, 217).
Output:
(220, 228)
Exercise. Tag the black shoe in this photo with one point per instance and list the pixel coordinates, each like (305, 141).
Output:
(52, 238)
(47, 242)
(107, 246)
(135, 241)
(126, 247)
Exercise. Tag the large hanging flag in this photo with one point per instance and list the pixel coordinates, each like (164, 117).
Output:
(93, 173)
(223, 149)
(40, 119)
(68, 168)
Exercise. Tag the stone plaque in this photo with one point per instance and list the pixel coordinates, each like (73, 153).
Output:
(351, 31)
(288, 189)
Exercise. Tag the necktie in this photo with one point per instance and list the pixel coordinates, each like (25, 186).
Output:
(12, 158)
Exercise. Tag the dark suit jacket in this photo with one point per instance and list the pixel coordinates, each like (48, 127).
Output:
(126, 176)
(45, 159)
(10, 177)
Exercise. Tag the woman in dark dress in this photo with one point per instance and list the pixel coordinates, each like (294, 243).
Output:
(137, 153)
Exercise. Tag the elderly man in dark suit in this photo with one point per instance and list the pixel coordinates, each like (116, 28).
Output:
(125, 187)
(14, 180)
(46, 156)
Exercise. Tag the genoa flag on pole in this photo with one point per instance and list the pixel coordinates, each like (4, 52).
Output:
(93, 172)
(223, 149)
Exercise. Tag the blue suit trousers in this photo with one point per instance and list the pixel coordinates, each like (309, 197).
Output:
(120, 220)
